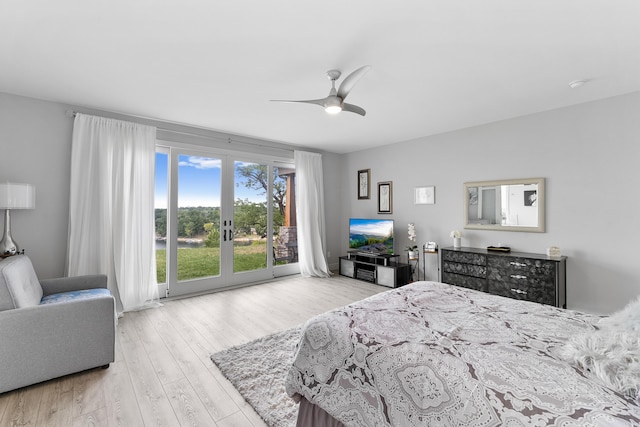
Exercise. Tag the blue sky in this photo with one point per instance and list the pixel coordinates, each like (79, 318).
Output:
(198, 182)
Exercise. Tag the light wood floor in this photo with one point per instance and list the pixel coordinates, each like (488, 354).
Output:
(162, 375)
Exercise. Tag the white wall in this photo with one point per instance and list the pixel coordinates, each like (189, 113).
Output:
(35, 148)
(589, 155)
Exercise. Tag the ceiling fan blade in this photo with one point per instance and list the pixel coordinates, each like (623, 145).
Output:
(353, 109)
(309, 101)
(350, 81)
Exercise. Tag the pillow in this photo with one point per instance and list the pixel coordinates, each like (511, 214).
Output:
(21, 281)
(75, 295)
(611, 353)
(627, 319)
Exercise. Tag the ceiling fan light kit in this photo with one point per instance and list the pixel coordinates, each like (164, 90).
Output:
(333, 105)
(334, 102)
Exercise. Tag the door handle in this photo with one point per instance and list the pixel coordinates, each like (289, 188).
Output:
(230, 235)
(224, 235)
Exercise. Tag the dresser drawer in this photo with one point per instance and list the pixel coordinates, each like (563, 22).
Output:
(479, 284)
(464, 257)
(514, 270)
(465, 269)
(523, 291)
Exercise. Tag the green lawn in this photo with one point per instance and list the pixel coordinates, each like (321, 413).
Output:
(204, 262)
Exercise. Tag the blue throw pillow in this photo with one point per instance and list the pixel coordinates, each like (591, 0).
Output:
(75, 295)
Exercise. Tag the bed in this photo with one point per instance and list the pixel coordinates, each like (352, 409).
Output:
(432, 354)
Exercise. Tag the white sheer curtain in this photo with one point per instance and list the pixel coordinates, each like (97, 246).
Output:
(310, 214)
(111, 220)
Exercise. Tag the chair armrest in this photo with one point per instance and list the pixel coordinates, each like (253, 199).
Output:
(76, 283)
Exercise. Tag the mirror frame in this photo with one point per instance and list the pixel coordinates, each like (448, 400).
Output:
(541, 205)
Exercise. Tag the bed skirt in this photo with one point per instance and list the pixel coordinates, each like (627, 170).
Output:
(310, 415)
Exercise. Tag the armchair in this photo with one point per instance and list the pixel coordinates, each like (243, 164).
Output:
(54, 327)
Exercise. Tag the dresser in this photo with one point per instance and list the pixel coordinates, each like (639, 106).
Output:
(518, 275)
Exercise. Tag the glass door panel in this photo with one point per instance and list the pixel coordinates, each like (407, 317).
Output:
(250, 216)
(284, 223)
(198, 227)
(161, 203)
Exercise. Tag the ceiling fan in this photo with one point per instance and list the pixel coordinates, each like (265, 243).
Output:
(334, 103)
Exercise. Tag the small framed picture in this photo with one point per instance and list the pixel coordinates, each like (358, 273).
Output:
(424, 195)
(530, 197)
(364, 177)
(473, 195)
(385, 197)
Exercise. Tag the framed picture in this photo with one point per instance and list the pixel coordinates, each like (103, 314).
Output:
(530, 197)
(473, 195)
(364, 177)
(385, 198)
(424, 195)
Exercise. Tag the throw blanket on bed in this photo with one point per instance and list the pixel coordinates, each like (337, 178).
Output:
(431, 354)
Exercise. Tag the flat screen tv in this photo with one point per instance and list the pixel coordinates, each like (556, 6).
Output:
(374, 236)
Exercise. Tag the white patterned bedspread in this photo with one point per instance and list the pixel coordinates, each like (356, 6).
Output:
(431, 354)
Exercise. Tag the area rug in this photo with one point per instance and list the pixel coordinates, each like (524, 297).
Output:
(258, 370)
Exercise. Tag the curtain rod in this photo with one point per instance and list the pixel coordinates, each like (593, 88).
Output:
(228, 140)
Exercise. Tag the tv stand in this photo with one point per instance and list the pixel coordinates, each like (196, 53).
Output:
(381, 269)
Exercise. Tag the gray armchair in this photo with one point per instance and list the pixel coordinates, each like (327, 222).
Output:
(51, 328)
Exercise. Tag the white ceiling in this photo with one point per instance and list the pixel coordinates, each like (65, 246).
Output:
(437, 65)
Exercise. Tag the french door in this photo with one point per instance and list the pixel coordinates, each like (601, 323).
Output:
(219, 217)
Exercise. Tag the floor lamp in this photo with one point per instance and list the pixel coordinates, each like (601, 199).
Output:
(14, 196)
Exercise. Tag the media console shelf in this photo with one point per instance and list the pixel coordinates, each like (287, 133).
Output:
(383, 269)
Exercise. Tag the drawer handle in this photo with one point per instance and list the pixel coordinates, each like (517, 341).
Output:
(518, 291)
(518, 276)
(518, 264)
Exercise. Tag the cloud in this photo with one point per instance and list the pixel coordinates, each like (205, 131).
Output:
(201, 162)
(240, 163)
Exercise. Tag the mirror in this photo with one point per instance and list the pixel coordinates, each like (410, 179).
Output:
(508, 205)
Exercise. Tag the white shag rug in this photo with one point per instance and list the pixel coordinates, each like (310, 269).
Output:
(258, 370)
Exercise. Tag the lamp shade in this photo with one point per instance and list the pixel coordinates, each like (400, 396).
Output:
(17, 196)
